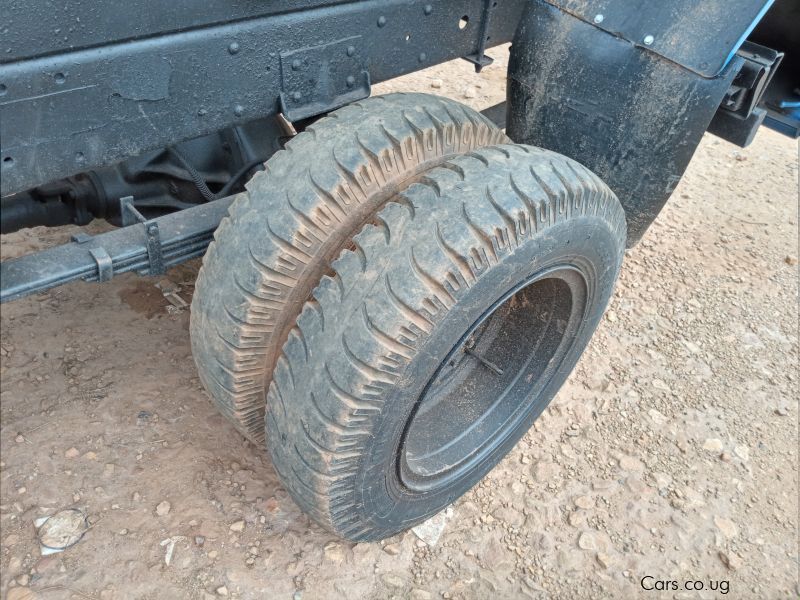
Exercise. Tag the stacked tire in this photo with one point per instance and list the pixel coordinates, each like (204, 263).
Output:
(395, 299)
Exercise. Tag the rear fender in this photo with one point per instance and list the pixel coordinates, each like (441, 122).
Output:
(626, 88)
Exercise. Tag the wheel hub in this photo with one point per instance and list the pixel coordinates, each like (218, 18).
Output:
(492, 378)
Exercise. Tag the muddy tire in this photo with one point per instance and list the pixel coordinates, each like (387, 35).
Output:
(281, 235)
(440, 335)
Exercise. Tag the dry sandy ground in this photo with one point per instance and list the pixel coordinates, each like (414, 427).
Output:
(671, 453)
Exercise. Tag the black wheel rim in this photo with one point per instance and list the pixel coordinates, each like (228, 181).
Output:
(494, 380)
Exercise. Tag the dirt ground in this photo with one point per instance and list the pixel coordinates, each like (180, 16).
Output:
(670, 455)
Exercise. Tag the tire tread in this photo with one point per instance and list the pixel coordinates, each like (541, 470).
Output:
(373, 322)
(268, 253)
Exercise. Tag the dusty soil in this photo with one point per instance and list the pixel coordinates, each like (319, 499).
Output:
(672, 452)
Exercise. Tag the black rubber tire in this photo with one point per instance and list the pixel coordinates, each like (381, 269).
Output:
(281, 235)
(412, 285)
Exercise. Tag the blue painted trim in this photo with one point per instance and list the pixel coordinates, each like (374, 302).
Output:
(748, 31)
(781, 127)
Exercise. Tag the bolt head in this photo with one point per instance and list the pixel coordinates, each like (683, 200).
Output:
(351, 81)
(648, 39)
(427, 9)
(381, 21)
(295, 64)
(351, 50)
(598, 18)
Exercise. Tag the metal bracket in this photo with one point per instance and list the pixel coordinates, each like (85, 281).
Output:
(322, 78)
(130, 216)
(105, 265)
(154, 248)
(740, 114)
(105, 268)
(479, 59)
(749, 85)
(80, 237)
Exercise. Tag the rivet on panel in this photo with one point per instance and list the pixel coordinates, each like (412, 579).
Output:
(648, 39)
(233, 48)
(381, 21)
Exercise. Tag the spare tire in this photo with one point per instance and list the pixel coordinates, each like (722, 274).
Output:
(281, 235)
(440, 335)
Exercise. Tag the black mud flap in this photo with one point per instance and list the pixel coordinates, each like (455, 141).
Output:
(616, 105)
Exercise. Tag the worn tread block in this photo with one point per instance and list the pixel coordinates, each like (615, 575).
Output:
(296, 216)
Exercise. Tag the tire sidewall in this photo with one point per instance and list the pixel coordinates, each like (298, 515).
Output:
(586, 242)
